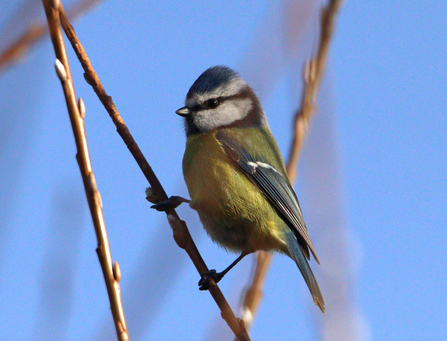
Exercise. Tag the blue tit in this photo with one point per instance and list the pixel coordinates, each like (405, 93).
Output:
(236, 176)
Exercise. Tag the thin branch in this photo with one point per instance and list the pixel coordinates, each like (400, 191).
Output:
(180, 231)
(77, 113)
(19, 47)
(313, 73)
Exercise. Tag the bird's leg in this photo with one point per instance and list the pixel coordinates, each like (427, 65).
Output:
(204, 282)
(172, 202)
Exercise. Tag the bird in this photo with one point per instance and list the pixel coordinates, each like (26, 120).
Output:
(236, 177)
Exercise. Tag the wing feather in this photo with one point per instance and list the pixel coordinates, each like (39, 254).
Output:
(273, 184)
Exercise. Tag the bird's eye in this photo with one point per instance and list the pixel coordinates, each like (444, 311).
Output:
(212, 103)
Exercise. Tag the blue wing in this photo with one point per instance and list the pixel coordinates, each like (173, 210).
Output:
(273, 184)
(281, 194)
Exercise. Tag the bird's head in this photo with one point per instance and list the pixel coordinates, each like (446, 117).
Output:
(220, 98)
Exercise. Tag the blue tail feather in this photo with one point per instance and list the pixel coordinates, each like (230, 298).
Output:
(298, 256)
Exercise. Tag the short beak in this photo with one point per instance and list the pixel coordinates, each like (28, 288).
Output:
(185, 111)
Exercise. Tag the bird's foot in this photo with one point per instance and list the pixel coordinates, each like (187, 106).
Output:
(172, 202)
(204, 282)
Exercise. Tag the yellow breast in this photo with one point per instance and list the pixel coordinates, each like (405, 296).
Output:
(233, 210)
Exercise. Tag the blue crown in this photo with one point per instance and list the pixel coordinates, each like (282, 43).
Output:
(211, 79)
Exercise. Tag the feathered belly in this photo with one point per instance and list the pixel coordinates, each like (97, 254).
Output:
(232, 210)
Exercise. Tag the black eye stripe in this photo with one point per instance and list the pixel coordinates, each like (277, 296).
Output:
(204, 106)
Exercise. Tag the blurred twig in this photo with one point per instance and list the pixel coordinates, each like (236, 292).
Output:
(36, 31)
(313, 73)
(76, 112)
(179, 228)
(19, 47)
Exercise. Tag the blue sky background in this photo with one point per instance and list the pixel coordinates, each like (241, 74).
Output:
(383, 101)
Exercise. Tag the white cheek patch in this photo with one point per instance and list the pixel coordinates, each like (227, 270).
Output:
(242, 106)
(226, 113)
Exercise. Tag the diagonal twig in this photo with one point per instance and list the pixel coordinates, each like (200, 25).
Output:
(313, 73)
(36, 31)
(179, 228)
(18, 48)
(76, 110)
